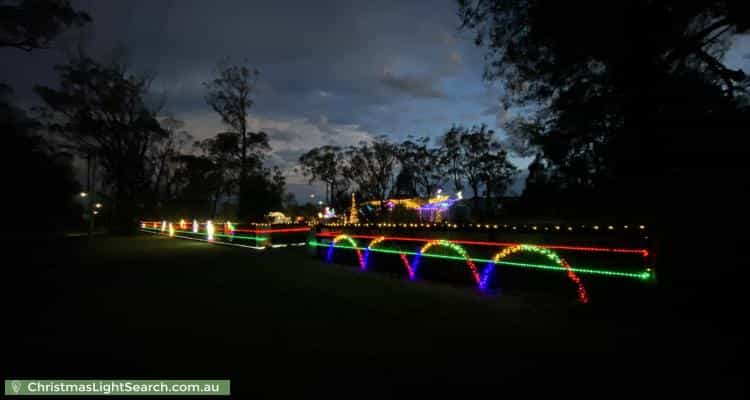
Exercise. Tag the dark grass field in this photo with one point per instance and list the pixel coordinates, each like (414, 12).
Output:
(282, 323)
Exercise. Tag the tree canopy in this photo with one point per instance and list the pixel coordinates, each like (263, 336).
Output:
(615, 94)
(34, 24)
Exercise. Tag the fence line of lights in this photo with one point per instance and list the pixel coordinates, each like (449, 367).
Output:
(642, 252)
(338, 240)
(644, 275)
(282, 230)
(211, 231)
(485, 226)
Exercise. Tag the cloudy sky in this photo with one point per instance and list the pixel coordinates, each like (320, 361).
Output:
(332, 71)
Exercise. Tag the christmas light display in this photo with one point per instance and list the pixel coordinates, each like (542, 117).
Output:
(404, 260)
(644, 275)
(209, 231)
(282, 230)
(228, 228)
(642, 252)
(231, 236)
(443, 226)
(157, 232)
(425, 248)
(353, 242)
(582, 296)
(353, 218)
(453, 247)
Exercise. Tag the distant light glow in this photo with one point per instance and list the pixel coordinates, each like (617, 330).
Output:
(228, 228)
(195, 226)
(171, 230)
(209, 231)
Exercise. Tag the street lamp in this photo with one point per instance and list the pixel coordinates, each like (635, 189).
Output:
(98, 205)
(84, 194)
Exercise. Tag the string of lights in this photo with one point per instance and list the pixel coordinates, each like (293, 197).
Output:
(404, 260)
(282, 230)
(256, 238)
(353, 242)
(510, 227)
(642, 252)
(644, 275)
(582, 295)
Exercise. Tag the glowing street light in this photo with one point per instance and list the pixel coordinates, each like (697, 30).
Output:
(98, 205)
(84, 194)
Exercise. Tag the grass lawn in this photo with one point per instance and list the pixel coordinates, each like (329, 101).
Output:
(281, 322)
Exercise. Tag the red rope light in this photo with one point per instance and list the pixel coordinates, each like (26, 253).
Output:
(284, 230)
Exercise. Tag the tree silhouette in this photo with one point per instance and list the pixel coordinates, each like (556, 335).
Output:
(372, 166)
(452, 156)
(34, 24)
(609, 92)
(229, 95)
(326, 164)
(100, 110)
(422, 164)
(164, 157)
(41, 183)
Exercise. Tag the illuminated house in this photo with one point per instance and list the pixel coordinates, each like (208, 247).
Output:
(432, 209)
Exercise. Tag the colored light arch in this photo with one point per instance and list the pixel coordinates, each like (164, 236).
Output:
(351, 241)
(551, 255)
(404, 260)
(455, 248)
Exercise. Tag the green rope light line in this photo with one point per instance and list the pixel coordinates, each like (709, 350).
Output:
(645, 275)
(256, 238)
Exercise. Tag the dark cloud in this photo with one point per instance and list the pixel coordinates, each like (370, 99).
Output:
(281, 135)
(416, 86)
(322, 123)
(290, 156)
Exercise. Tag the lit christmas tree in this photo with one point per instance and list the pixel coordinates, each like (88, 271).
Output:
(353, 212)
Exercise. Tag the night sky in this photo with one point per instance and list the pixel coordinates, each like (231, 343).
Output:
(332, 72)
